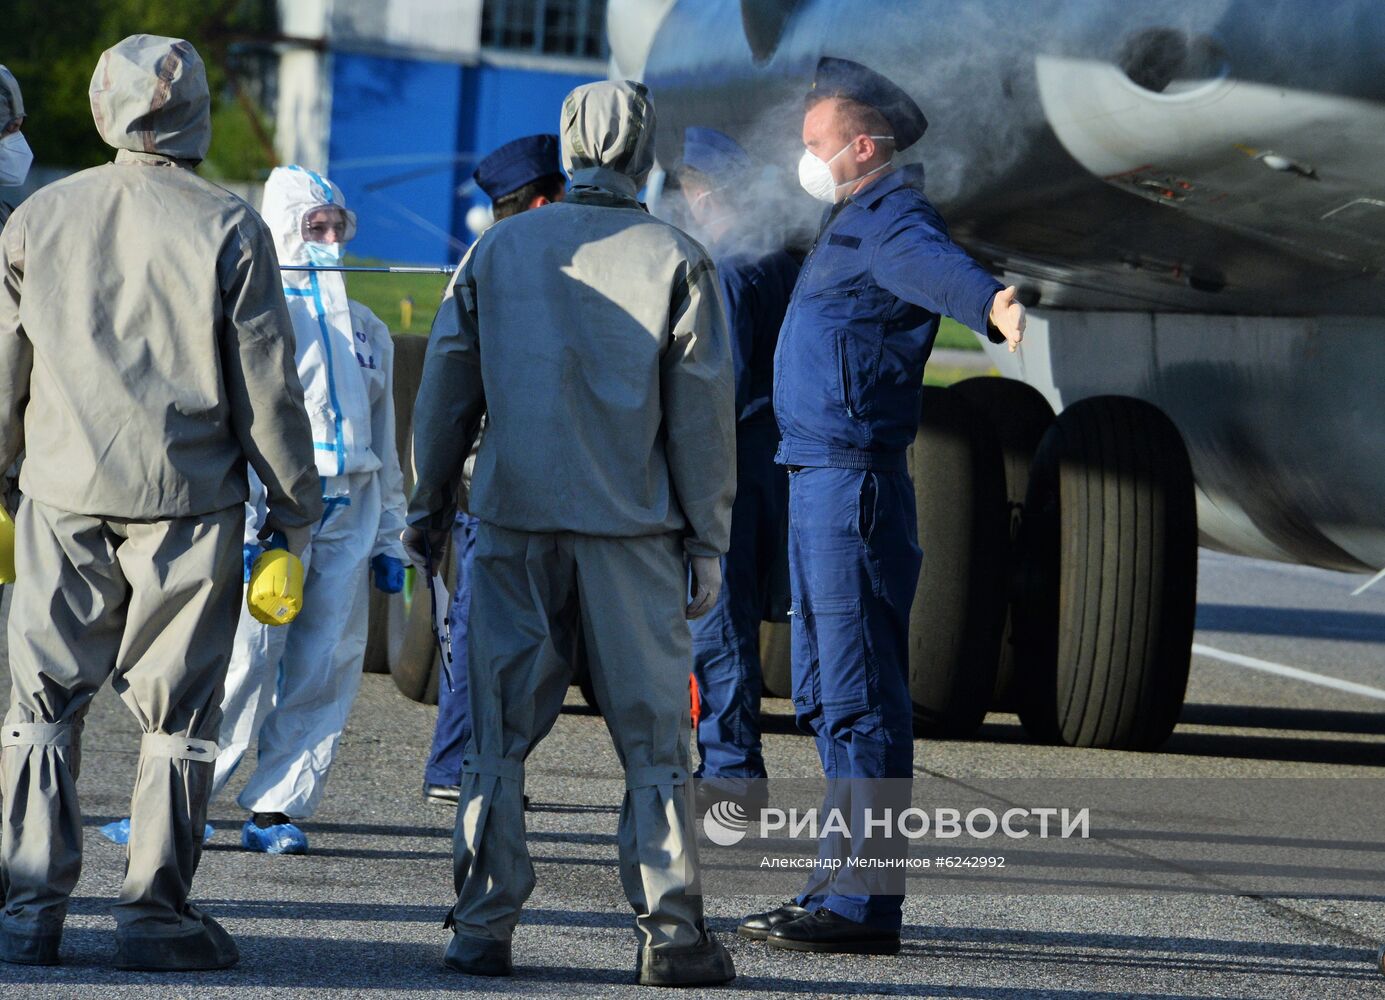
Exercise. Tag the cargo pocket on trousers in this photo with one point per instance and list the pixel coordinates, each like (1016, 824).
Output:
(846, 682)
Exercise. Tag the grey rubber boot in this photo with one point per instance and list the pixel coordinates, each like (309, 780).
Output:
(207, 947)
(477, 956)
(706, 963)
(29, 947)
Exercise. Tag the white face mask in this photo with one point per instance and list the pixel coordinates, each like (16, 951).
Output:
(815, 175)
(323, 254)
(15, 159)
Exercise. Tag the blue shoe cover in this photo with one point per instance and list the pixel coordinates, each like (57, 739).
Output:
(118, 832)
(281, 838)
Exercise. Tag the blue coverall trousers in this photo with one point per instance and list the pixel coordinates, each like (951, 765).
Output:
(854, 564)
(726, 641)
(453, 727)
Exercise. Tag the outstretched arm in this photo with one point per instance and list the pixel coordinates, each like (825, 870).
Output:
(917, 261)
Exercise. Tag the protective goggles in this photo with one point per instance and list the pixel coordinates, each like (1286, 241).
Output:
(328, 224)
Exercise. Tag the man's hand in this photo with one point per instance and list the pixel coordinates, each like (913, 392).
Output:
(424, 548)
(706, 585)
(1007, 315)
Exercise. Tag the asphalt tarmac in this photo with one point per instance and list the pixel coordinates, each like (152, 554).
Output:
(362, 914)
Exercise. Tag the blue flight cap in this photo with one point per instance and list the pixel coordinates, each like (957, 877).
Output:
(844, 78)
(714, 153)
(516, 164)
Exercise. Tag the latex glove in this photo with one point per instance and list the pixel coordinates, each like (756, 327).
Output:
(706, 585)
(424, 548)
(1007, 315)
(250, 551)
(389, 574)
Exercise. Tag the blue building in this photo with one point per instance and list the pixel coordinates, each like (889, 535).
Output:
(397, 100)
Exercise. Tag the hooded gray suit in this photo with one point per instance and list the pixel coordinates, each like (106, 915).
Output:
(146, 354)
(593, 336)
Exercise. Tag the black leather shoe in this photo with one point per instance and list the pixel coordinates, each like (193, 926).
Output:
(757, 926)
(751, 795)
(826, 932)
(447, 795)
(443, 795)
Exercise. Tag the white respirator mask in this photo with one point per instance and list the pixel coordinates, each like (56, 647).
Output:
(15, 159)
(815, 175)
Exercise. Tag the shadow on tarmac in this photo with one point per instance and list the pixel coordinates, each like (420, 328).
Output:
(1306, 623)
(1313, 720)
(353, 964)
(1280, 748)
(1248, 746)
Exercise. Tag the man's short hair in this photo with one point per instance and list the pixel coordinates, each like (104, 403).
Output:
(853, 116)
(517, 201)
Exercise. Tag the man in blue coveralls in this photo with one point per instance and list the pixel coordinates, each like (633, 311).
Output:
(848, 385)
(756, 281)
(518, 176)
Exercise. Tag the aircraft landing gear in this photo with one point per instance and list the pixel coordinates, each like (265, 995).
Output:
(1109, 551)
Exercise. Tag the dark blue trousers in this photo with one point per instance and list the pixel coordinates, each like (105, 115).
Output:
(726, 641)
(453, 728)
(854, 564)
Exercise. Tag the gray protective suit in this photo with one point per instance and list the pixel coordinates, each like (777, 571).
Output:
(146, 354)
(594, 337)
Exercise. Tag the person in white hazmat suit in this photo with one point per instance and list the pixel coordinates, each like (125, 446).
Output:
(15, 160)
(146, 355)
(290, 689)
(593, 337)
(15, 155)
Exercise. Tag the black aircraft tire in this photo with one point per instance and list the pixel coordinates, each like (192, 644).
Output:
(388, 612)
(414, 662)
(1110, 547)
(384, 631)
(776, 663)
(958, 612)
(1020, 415)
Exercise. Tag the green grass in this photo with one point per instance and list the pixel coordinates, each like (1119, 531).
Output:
(382, 293)
(955, 336)
(945, 375)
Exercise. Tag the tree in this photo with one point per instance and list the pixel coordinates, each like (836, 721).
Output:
(52, 47)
